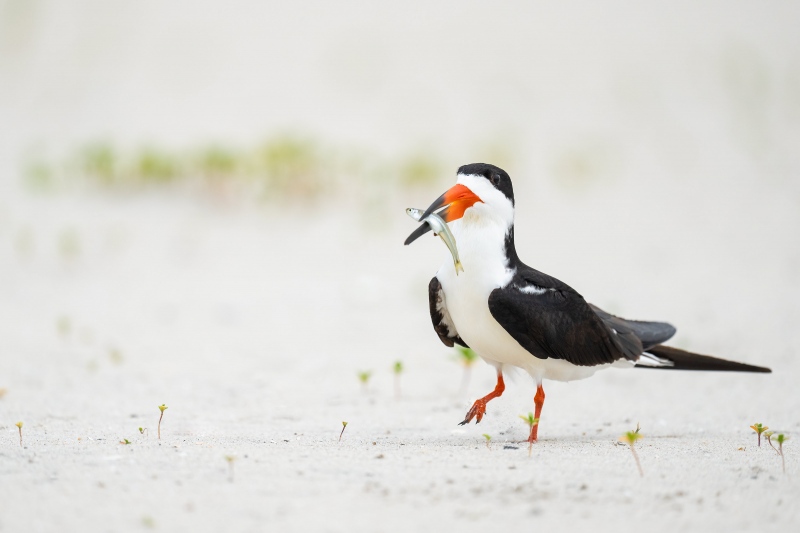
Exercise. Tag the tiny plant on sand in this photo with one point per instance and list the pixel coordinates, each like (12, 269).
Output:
(488, 440)
(161, 408)
(344, 426)
(363, 377)
(398, 369)
(19, 426)
(630, 438)
(768, 435)
(230, 459)
(780, 439)
(759, 429)
(124, 441)
(531, 421)
(142, 431)
(466, 357)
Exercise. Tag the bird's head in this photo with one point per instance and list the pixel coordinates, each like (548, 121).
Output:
(482, 194)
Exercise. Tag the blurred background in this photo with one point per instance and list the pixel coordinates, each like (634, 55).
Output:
(209, 196)
(202, 205)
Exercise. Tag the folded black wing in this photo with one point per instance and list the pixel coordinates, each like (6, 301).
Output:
(442, 322)
(648, 333)
(551, 320)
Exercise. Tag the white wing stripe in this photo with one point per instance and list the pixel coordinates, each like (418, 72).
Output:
(532, 289)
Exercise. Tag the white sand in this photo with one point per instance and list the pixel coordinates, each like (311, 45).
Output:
(654, 152)
(251, 326)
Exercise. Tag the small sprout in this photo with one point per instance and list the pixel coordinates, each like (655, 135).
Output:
(19, 426)
(124, 441)
(161, 408)
(781, 438)
(630, 438)
(363, 377)
(466, 357)
(142, 431)
(344, 425)
(768, 435)
(531, 421)
(230, 459)
(759, 429)
(398, 369)
(488, 440)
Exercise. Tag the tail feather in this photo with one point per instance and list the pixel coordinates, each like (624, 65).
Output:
(683, 360)
(648, 333)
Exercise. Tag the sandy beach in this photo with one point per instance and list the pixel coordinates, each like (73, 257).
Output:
(254, 340)
(653, 153)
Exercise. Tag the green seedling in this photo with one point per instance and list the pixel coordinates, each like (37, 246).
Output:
(466, 357)
(124, 441)
(398, 369)
(630, 438)
(19, 426)
(161, 408)
(488, 440)
(344, 425)
(768, 435)
(230, 459)
(781, 438)
(363, 377)
(531, 421)
(142, 431)
(759, 429)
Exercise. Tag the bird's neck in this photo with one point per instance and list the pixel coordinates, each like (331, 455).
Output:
(486, 247)
(511, 249)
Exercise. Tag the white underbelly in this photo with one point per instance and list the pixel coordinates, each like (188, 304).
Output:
(467, 300)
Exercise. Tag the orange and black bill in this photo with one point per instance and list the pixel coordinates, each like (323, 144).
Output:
(455, 201)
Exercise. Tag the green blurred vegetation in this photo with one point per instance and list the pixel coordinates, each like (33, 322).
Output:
(282, 167)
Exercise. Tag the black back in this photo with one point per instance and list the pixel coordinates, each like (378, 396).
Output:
(556, 322)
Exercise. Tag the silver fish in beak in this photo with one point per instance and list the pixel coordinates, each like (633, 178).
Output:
(435, 223)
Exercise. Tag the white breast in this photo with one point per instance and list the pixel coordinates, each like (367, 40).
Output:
(480, 244)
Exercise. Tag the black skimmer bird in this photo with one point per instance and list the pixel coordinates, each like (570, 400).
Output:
(513, 315)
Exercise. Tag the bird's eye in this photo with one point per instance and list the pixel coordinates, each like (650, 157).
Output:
(494, 178)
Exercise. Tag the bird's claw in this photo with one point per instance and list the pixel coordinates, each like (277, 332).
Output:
(477, 411)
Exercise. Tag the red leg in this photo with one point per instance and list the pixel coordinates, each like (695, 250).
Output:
(479, 407)
(538, 402)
